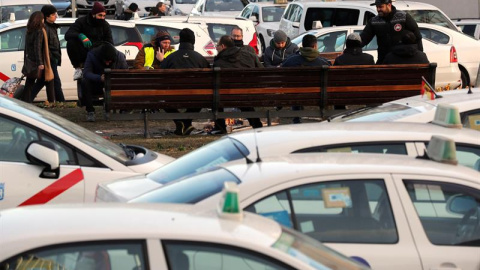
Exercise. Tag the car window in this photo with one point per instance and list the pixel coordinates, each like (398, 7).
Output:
(122, 35)
(372, 46)
(297, 16)
(272, 14)
(147, 32)
(331, 17)
(191, 190)
(449, 212)
(435, 35)
(370, 147)
(288, 12)
(224, 5)
(368, 15)
(22, 12)
(468, 29)
(78, 256)
(336, 211)
(432, 17)
(203, 255)
(14, 140)
(332, 42)
(217, 30)
(61, 34)
(12, 40)
(471, 119)
(247, 11)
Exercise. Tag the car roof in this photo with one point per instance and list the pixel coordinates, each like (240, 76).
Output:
(89, 222)
(453, 97)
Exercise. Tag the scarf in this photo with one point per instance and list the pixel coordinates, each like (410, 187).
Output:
(48, 68)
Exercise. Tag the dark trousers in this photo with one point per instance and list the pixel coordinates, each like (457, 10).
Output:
(186, 122)
(89, 89)
(33, 86)
(57, 85)
(77, 53)
(254, 122)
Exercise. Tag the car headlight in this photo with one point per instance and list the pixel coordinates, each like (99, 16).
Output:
(270, 32)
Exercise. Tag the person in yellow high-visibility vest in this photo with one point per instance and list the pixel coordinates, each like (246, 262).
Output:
(153, 53)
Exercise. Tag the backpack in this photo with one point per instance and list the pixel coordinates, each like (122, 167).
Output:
(11, 86)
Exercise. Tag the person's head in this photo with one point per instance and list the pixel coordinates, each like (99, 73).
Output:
(161, 7)
(384, 7)
(109, 53)
(133, 7)
(408, 37)
(225, 42)
(163, 40)
(98, 11)
(49, 13)
(354, 41)
(236, 33)
(35, 21)
(187, 35)
(280, 39)
(309, 41)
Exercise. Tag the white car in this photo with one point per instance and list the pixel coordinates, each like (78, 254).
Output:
(248, 146)
(144, 6)
(470, 27)
(181, 7)
(203, 43)
(21, 9)
(419, 109)
(218, 8)
(466, 46)
(448, 74)
(266, 17)
(47, 159)
(12, 44)
(394, 212)
(85, 6)
(142, 237)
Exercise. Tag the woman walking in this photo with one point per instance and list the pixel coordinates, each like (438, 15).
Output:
(36, 67)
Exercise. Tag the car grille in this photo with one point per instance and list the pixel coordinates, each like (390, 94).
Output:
(90, 2)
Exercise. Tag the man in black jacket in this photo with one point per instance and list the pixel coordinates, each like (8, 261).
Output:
(353, 54)
(230, 56)
(406, 52)
(280, 49)
(87, 32)
(185, 57)
(388, 26)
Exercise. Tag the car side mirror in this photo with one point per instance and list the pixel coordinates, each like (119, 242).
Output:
(43, 153)
(460, 204)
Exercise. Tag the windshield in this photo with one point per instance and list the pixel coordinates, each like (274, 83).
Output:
(272, 14)
(384, 112)
(312, 252)
(189, 190)
(202, 159)
(432, 17)
(63, 125)
(22, 12)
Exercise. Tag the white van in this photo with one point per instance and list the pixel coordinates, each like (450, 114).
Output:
(21, 9)
(299, 16)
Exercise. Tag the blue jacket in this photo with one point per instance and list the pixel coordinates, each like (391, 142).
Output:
(305, 57)
(95, 66)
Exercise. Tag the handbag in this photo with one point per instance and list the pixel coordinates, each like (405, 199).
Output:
(30, 69)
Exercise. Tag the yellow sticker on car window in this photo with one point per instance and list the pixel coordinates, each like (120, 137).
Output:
(340, 150)
(337, 197)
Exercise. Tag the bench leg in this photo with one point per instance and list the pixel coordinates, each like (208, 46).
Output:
(269, 118)
(146, 132)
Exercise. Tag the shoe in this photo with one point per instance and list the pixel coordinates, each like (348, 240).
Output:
(188, 130)
(90, 116)
(178, 128)
(216, 131)
(77, 74)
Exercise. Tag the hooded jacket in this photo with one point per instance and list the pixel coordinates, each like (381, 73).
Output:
(406, 54)
(306, 56)
(236, 57)
(354, 56)
(185, 57)
(96, 30)
(95, 65)
(273, 57)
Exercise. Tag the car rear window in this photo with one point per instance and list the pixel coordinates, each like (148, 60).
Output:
(149, 31)
(331, 17)
(122, 35)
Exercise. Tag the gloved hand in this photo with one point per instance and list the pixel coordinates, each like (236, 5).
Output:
(86, 42)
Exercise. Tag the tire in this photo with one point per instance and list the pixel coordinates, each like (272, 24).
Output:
(262, 45)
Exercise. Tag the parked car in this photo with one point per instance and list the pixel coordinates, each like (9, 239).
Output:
(21, 9)
(248, 146)
(419, 109)
(144, 6)
(394, 212)
(266, 17)
(47, 159)
(470, 27)
(64, 7)
(447, 73)
(12, 43)
(142, 237)
(300, 15)
(85, 6)
(467, 49)
(218, 8)
(181, 7)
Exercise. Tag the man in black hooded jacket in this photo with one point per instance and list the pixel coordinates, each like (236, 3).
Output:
(353, 54)
(406, 52)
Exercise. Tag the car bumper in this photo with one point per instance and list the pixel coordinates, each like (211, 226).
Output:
(448, 77)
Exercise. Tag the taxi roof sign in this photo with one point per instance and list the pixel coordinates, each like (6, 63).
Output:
(229, 205)
(280, 1)
(442, 149)
(447, 115)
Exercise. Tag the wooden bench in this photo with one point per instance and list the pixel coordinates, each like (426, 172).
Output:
(268, 87)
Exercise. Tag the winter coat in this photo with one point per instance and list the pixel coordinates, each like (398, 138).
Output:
(185, 57)
(53, 42)
(405, 54)
(140, 59)
(354, 56)
(126, 15)
(236, 57)
(306, 56)
(273, 57)
(389, 31)
(96, 30)
(95, 66)
(34, 47)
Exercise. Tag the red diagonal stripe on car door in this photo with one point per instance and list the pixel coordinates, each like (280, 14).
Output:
(3, 77)
(55, 189)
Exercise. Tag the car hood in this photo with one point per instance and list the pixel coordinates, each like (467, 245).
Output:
(125, 189)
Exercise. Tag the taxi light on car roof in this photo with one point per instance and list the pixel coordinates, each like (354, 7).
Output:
(280, 1)
(442, 149)
(229, 206)
(447, 115)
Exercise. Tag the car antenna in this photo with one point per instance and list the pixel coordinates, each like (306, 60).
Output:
(469, 86)
(256, 147)
(431, 88)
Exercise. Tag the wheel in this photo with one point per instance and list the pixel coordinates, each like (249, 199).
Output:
(262, 45)
(464, 80)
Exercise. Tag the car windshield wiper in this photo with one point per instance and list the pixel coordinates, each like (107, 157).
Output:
(350, 112)
(128, 151)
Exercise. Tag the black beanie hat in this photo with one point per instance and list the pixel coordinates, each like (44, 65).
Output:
(187, 35)
(48, 10)
(133, 7)
(109, 52)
